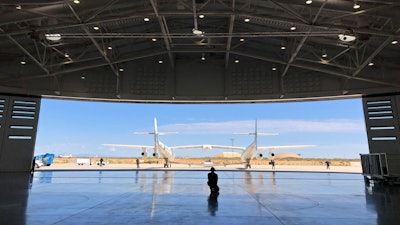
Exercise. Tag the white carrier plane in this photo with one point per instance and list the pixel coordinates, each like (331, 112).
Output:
(253, 150)
(160, 150)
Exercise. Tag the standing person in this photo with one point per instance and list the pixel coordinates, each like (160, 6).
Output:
(213, 181)
(137, 163)
(272, 162)
(101, 161)
(328, 165)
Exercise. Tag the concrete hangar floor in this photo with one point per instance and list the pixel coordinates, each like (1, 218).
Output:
(182, 197)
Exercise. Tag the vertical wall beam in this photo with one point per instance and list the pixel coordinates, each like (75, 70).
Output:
(19, 117)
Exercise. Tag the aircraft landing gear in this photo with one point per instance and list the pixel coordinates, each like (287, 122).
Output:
(166, 164)
(247, 166)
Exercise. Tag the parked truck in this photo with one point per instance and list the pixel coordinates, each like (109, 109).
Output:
(44, 160)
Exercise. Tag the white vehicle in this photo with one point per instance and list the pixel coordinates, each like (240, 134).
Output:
(38, 163)
(82, 161)
(160, 150)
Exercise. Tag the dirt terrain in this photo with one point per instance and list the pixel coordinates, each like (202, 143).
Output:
(225, 161)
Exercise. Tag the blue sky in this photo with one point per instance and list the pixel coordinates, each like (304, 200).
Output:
(336, 127)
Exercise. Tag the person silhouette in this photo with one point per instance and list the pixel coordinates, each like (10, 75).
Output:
(328, 165)
(213, 181)
(272, 163)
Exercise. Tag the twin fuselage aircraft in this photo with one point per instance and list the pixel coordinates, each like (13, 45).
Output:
(160, 150)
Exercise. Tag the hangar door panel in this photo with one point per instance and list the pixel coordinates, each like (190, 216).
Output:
(19, 121)
(382, 123)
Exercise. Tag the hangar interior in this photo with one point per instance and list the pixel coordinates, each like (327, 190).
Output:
(199, 51)
(196, 51)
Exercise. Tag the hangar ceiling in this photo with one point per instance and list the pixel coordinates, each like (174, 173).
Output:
(199, 50)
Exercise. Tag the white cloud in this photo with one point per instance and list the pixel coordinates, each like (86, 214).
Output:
(280, 126)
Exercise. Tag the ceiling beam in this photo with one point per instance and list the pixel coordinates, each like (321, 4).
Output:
(339, 28)
(166, 35)
(27, 53)
(312, 68)
(89, 35)
(229, 39)
(81, 68)
(108, 5)
(290, 11)
(372, 56)
(294, 54)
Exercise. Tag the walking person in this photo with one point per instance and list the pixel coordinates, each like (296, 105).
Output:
(272, 163)
(328, 165)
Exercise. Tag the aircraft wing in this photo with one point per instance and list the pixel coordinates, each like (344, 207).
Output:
(284, 147)
(186, 147)
(227, 147)
(129, 146)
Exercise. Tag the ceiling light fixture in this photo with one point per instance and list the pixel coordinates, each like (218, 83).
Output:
(241, 39)
(154, 39)
(203, 57)
(96, 27)
(324, 55)
(293, 28)
(347, 37)
(236, 60)
(146, 19)
(246, 20)
(197, 32)
(66, 55)
(53, 37)
(356, 5)
(394, 42)
(18, 7)
(83, 77)
(201, 16)
(273, 68)
(160, 61)
(121, 69)
(371, 64)
(77, 1)
(308, 2)
(283, 47)
(109, 47)
(23, 61)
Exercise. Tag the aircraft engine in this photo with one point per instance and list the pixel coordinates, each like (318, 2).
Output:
(271, 155)
(259, 156)
(155, 155)
(144, 152)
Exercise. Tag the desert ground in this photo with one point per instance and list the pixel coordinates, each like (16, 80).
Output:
(301, 165)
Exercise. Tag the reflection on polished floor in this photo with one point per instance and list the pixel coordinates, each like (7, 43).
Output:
(181, 197)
